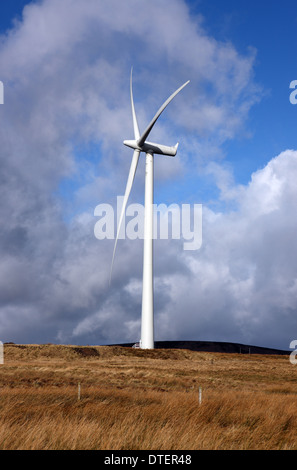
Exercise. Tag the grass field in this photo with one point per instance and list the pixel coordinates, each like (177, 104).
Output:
(133, 399)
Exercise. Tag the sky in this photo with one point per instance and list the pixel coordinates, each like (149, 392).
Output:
(65, 66)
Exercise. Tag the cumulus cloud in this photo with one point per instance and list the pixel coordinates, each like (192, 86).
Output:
(243, 280)
(65, 116)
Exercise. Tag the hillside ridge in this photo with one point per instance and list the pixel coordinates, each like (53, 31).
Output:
(215, 347)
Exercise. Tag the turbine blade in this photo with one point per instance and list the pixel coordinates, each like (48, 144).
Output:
(130, 180)
(135, 124)
(144, 136)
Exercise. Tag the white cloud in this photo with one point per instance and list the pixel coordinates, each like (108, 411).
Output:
(243, 280)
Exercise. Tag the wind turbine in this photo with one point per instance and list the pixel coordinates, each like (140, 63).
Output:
(140, 144)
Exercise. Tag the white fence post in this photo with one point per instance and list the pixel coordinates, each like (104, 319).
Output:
(200, 395)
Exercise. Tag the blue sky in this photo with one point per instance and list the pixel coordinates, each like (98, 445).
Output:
(11, 11)
(269, 28)
(65, 65)
(271, 31)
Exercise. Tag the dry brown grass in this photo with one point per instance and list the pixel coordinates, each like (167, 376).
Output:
(133, 399)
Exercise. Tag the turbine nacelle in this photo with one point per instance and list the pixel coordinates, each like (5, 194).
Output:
(151, 147)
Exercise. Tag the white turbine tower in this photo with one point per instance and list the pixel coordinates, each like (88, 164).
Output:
(140, 144)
